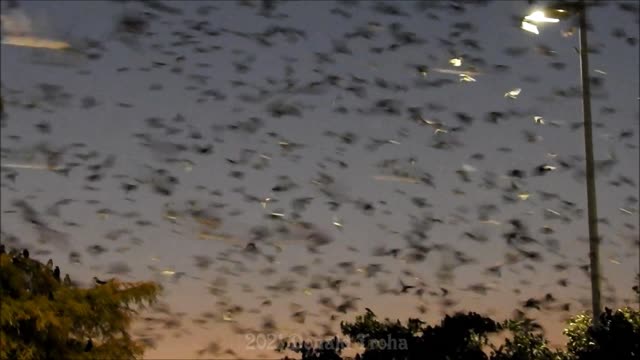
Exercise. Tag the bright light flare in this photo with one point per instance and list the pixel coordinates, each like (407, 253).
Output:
(337, 223)
(540, 17)
(524, 196)
(490, 222)
(468, 168)
(227, 316)
(512, 94)
(34, 42)
(456, 72)
(527, 26)
(466, 78)
(396, 178)
(30, 166)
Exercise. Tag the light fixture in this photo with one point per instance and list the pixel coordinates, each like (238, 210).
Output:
(553, 14)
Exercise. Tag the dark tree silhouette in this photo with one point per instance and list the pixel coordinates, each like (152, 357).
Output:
(466, 336)
(527, 343)
(461, 336)
(327, 350)
(616, 337)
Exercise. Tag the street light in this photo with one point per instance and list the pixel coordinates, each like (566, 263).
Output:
(553, 14)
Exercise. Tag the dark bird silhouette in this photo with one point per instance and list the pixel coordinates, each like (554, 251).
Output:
(405, 287)
(532, 304)
(98, 281)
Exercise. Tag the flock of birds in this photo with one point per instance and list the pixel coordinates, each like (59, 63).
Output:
(178, 145)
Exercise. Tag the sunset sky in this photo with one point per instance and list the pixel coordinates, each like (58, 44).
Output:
(199, 68)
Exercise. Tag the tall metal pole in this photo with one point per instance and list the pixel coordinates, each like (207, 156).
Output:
(594, 239)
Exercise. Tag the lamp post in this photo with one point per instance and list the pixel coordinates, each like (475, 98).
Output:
(563, 11)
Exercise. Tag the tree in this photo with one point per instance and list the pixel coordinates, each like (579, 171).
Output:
(617, 336)
(44, 317)
(461, 336)
(466, 336)
(528, 343)
(327, 350)
(383, 339)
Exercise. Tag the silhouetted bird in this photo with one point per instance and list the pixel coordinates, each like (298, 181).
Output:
(251, 247)
(50, 264)
(532, 304)
(67, 280)
(516, 173)
(405, 287)
(25, 253)
(98, 281)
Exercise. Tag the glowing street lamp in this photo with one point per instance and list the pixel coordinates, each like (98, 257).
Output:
(554, 14)
(540, 17)
(529, 22)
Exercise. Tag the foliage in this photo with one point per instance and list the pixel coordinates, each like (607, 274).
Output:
(617, 336)
(43, 317)
(461, 336)
(326, 350)
(528, 343)
(465, 336)
(383, 339)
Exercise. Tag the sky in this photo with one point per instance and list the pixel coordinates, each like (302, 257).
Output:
(325, 128)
